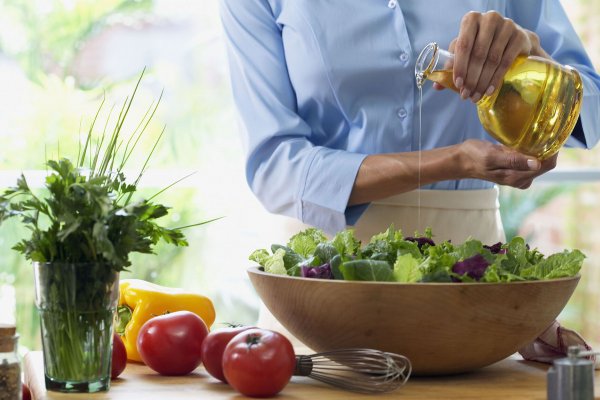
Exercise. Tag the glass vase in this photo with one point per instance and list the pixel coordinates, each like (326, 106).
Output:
(76, 303)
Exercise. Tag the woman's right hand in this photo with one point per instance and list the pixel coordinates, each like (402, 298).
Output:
(499, 164)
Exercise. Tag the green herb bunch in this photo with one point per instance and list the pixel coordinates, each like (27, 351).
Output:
(83, 228)
(88, 214)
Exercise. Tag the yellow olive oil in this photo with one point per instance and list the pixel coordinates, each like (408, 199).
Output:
(535, 108)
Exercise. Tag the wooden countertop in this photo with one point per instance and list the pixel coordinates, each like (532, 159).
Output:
(512, 378)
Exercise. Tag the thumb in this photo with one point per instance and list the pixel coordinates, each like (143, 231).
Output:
(521, 162)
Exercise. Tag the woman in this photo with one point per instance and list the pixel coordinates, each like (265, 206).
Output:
(329, 108)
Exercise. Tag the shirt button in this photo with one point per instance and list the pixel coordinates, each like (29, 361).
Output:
(392, 3)
(402, 113)
(403, 57)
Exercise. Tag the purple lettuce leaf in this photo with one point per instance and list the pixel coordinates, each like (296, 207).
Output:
(495, 248)
(474, 267)
(320, 272)
(420, 241)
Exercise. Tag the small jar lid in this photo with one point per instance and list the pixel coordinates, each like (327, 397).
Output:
(7, 338)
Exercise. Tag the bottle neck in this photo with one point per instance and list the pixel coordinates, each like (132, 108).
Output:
(436, 65)
(426, 62)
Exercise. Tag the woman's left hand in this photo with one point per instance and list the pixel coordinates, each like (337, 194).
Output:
(486, 46)
(497, 163)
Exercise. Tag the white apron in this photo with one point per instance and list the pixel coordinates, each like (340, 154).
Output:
(451, 214)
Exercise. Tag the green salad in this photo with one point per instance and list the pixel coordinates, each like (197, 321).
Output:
(392, 257)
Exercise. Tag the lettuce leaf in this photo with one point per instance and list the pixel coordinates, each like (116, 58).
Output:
(325, 252)
(335, 264)
(346, 243)
(517, 257)
(406, 269)
(291, 260)
(388, 245)
(367, 270)
(271, 263)
(259, 256)
(438, 263)
(468, 249)
(559, 265)
(494, 273)
(304, 243)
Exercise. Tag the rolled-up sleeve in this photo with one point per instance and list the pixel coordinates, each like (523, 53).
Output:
(558, 37)
(286, 171)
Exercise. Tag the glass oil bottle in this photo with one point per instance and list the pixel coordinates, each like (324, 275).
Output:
(533, 111)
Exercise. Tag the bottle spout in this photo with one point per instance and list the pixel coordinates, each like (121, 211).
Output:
(426, 63)
(435, 64)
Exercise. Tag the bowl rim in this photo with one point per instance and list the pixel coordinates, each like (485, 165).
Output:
(256, 269)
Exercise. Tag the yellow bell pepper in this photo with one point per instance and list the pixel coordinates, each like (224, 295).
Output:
(140, 300)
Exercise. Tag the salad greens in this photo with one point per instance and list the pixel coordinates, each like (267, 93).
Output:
(392, 257)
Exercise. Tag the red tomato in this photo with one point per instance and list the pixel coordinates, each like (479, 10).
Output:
(259, 362)
(171, 344)
(213, 348)
(119, 357)
(26, 392)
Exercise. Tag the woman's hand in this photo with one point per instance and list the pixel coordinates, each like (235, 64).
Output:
(501, 165)
(486, 46)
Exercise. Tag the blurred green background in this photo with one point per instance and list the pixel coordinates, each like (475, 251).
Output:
(58, 58)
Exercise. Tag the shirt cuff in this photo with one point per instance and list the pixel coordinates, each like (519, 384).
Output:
(589, 121)
(328, 184)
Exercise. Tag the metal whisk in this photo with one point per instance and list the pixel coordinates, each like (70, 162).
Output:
(357, 370)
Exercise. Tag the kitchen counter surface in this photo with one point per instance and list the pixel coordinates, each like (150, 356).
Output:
(511, 378)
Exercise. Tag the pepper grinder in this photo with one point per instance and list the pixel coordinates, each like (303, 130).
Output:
(572, 378)
(10, 368)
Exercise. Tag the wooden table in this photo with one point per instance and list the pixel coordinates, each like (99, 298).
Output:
(512, 378)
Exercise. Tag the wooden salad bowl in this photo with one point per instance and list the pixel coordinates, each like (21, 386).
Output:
(443, 328)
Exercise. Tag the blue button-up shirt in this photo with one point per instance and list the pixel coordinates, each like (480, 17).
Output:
(321, 84)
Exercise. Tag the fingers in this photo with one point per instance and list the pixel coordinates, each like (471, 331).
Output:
(496, 63)
(513, 49)
(475, 61)
(518, 162)
(518, 170)
(549, 163)
(463, 46)
(486, 46)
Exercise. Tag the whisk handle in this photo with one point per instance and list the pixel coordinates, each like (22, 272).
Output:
(304, 365)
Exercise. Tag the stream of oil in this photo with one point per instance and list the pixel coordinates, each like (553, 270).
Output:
(420, 81)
